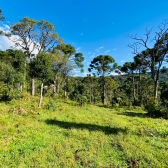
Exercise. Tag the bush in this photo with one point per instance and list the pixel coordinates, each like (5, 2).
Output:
(164, 109)
(51, 105)
(153, 108)
(82, 99)
(16, 95)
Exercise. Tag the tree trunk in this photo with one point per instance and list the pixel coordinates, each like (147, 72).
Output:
(156, 88)
(57, 88)
(18, 86)
(41, 95)
(137, 89)
(140, 86)
(24, 76)
(90, 90)
(9, 89)
(21, 87)
(33, 86)
(64, 94)
(133, 82)
(104, 88)
(140, 83)
(54, 88)
(92, 96)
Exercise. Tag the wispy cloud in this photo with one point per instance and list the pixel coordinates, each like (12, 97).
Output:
(122, 60)
(114, 49)
(89, 52)
(81, 34)
(92, 56)
(98, 49)
(78, 48)
(6, 26)
(106, 51)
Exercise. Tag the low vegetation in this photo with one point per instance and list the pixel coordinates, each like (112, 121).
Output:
(70, 135)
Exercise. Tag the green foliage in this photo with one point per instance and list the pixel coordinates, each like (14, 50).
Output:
(7, 73)
(16, 95)
(67, 49)
(41, 67)
(18, 60)
(102, 63)
(51, 105)
(2, 18)
(152, 107)
(79, 59)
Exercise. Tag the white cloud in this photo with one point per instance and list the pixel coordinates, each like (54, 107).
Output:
(122, 60)
(6, 26)
(78, 48)
(81, 34)
(6, 43)
(92, 56)
(97, 50)
(2, 28)
(101, 47)
(114, 74)
(93, 53)
(114, 49)
(107, 51)
(89, 52)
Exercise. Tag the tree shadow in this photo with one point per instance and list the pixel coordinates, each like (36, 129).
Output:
(90, 127)
(134, 114)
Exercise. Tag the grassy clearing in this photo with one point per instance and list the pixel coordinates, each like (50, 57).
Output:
(74, 136)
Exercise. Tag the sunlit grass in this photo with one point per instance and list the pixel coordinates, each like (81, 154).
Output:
(75, 136)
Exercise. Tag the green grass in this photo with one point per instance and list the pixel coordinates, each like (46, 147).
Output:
(74, 136)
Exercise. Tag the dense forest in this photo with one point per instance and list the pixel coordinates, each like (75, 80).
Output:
(115, 116)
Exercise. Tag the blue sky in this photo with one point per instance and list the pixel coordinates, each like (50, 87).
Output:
(92, 27)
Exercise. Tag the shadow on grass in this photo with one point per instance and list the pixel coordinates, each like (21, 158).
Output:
(90, 127)
(134, 114)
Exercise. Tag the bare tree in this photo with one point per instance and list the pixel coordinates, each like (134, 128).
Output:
(153, 57)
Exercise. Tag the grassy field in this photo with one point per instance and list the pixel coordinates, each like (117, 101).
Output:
(74, 136)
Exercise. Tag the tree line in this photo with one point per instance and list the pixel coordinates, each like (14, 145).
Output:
(43, 65)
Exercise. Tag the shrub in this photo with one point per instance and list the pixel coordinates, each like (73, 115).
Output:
(153, 108)
(164, 109)
(51, 105)
(16, 95)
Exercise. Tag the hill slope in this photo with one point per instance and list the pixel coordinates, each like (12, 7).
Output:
(74, 136)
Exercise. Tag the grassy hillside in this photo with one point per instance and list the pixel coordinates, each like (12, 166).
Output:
(74, 136)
